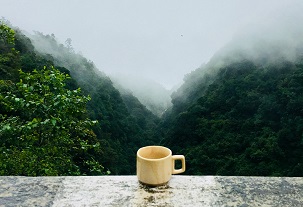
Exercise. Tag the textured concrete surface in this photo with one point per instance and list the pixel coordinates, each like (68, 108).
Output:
(126, 191)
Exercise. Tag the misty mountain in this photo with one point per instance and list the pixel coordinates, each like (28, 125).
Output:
(124, 124)
(122, 117)
(269, 45)
(241, 113)
(153, 95)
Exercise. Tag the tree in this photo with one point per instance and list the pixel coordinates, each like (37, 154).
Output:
(44, 129)
(68, 43)
(8, 54)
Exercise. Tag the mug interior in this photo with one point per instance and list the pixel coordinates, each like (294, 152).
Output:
(154, 152)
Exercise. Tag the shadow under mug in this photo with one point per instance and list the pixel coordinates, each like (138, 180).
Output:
(156, 164)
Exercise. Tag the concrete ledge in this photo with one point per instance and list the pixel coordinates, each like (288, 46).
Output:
(126, 191)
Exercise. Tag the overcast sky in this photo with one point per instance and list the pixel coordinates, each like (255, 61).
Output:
(157, 39)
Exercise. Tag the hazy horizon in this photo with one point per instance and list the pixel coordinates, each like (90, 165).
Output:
(158, 40)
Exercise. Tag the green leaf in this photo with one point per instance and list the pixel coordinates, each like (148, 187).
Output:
(54, 121)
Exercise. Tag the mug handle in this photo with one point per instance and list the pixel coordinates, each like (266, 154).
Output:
(178, 157)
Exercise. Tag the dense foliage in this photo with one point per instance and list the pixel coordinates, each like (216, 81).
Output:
(120, 129)
(43, 128)
(247, 121)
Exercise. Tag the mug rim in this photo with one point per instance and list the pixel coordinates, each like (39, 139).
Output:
(154, 146)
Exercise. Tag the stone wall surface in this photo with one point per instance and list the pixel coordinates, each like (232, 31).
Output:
(126, 191)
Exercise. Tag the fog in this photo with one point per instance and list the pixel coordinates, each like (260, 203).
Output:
(161, 40)
(278, 39)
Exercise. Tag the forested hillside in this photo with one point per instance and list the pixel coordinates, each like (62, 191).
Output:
(124, 124)
(241, 114)
(120, 127)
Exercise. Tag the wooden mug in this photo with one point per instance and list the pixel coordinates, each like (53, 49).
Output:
(156, 164)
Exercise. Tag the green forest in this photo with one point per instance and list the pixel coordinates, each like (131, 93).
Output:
(60, 115)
